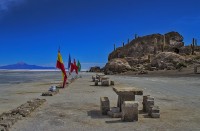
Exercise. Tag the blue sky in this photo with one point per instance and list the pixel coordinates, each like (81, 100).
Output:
(32, 30)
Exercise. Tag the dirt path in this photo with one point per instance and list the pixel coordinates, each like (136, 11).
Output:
(76, 108)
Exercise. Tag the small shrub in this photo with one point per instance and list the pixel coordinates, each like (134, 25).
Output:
(180, 65)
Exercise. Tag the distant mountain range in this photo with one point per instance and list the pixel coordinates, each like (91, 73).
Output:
(22, 65)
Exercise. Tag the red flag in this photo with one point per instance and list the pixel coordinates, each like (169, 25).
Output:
(74, 67)
(60, 65)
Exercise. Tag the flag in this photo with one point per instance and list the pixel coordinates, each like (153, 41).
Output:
(60, 65)
(79, 66)
(69, 62)
(74, 67)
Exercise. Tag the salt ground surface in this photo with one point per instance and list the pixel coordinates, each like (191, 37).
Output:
(78, 106)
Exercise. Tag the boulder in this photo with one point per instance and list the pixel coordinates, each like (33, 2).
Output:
(167, 60)
(117, 65)
(174, 40)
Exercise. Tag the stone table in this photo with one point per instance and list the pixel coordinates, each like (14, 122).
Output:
(126, 94)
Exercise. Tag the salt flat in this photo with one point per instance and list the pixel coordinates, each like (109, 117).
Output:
(77, 106)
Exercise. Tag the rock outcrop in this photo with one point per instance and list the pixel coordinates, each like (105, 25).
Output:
(117, 65)
(152, 52)
(150, 44)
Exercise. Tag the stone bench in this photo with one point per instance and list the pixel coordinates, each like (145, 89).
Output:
(96, 83)
(105, 83)
(148, 101)
(130, 111)
(114, 112)
(93, 78)
(104, 105)
(104, 78)
(154, 112)
(195, 69)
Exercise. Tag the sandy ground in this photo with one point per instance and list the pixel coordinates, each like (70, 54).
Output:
(77, 107)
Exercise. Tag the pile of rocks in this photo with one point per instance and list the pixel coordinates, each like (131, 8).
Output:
(150, 108)
(7, 119)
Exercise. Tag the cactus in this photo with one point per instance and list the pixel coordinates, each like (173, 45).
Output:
(196, 42)
(128, 41)
(155, 46)
(155, 41)
(123, 44)
(164, 43)
(162, 47)
(149, 58)
(114, 47)
(135, 36)
(192, 46)
(155, 50)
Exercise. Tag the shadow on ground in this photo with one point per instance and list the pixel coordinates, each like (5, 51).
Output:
(96, 114)
(144, 114)
(114, 121)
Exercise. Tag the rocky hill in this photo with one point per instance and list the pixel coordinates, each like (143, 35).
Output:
(153, 52)
(149, 44)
